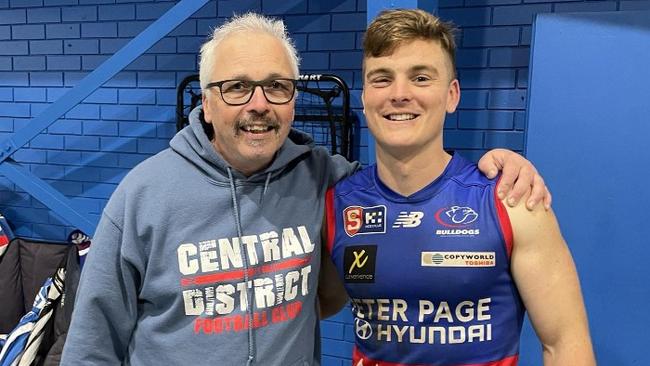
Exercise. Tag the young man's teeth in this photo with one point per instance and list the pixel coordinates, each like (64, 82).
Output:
(401, 116)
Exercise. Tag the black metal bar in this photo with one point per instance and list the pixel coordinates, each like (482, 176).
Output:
(327, 96)
(181, 118)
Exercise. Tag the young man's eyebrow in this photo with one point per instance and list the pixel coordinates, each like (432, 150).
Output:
(420, 68)
(379, 71)
(412, 69)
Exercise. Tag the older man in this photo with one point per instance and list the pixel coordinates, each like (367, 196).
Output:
(209, 252)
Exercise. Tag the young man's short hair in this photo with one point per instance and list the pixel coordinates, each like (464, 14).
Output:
(392, 28)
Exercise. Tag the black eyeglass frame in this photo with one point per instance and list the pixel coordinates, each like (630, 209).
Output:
(255, 84)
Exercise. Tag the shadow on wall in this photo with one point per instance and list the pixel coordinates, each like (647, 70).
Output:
(86, 167)
(110, 136)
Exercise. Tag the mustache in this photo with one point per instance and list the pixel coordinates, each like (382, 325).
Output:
(257, 120)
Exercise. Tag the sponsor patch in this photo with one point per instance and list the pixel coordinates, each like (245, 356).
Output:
(362, 328)
(456, 216)
(359, 263)
(408, 219)
(457, 232)
(364, 220)
(458, 259)
(456, 221)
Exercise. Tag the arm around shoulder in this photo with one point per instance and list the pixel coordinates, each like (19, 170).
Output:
(519, 178)
(341, 168)
(547, 280)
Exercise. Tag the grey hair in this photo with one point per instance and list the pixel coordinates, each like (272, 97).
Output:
(241, 23)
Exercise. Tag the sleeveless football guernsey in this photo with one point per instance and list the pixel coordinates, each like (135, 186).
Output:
(428, 275)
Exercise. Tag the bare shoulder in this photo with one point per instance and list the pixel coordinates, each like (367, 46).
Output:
(530, 227)
(547, 280)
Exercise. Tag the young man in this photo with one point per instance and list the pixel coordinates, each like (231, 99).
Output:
(439, 271)
(209, 252)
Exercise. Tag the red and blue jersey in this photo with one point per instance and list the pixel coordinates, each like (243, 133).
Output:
(429, 274)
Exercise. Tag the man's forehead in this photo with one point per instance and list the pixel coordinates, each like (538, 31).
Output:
(251, 55)
(417, 55)
(269, 76)
(409, 48)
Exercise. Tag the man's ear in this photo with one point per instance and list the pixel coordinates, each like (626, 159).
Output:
(206, 116)
(207, 113)
(453, 96)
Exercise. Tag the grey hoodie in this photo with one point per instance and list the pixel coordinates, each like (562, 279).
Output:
(195, 264)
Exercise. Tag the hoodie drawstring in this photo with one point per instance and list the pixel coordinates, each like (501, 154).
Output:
(249, 310)
(266, 186)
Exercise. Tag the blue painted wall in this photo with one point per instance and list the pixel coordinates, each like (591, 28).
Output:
(590, 85)
(493, 57)
(48, 45)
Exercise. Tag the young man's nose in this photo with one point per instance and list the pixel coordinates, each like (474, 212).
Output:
(400, 91)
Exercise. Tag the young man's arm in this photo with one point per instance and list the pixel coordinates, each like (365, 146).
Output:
(332, 295)
(519, 177)
(548, 283)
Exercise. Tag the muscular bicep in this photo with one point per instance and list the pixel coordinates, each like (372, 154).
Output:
(547, 280)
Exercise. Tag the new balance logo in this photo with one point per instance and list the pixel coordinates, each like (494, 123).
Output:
(408, 219)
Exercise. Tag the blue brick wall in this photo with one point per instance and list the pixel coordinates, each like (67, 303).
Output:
(46, 47)
(492, 61)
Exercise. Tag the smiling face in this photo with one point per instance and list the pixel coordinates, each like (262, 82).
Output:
(249, 135)
(406, 95)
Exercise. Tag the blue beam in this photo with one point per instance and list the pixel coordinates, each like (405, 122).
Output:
(102, 74)
(38, 188)
(429, 5)
(374, 7)
(43, 192)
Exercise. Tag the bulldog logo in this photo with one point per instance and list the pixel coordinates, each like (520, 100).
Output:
(456, 216)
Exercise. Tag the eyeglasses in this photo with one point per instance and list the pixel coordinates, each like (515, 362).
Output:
(240, 92)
